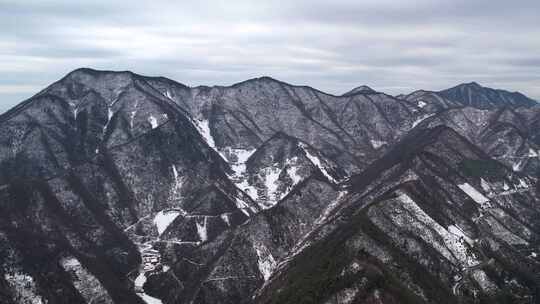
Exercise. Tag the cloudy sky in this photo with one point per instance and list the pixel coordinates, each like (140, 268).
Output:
(395, 46)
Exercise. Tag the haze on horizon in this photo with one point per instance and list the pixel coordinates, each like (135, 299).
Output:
(392, 46)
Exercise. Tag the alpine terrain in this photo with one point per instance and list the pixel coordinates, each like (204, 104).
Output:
(121, 188)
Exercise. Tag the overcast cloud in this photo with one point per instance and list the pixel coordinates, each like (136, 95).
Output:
(393, 46)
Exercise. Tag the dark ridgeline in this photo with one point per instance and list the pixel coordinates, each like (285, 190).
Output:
(122, 188)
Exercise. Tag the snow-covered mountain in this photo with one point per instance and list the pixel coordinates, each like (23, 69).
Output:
(121, 188)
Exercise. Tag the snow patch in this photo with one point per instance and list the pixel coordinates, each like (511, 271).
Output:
(473, 193)
(175, 173)
(517, 166)
(153, 121)
(422, 104)
(239, 168)
(140, 280)
(458, 232)
(163, 219)
(131, 118)
(225, 218)
(485, 185)
(522, 183)
(242, 155)
(148, 299)
(265, 261)
(453, 247)
(133, 113)
(69, 262)
(24, 287)
(293, 173)
(202, 229)
(377, 143)
(419, 120)
(271, 176)
(110, 114)
(177, 186)
(317, 162)
(204, 128)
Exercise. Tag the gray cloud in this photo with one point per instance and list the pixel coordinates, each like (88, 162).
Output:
(395, 46)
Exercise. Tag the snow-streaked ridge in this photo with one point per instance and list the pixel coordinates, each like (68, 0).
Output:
(265, 261)
(239, 168)
(453, 247)
(420, 119)
(317, 162)
(473, 193)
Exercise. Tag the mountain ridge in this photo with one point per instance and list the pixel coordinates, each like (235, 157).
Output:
(360, 89)
(218, 194)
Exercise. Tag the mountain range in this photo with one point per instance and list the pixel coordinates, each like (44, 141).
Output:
(122, 188)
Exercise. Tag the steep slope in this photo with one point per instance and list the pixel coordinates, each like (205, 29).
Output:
(348, 129)
(117, 164)
(122, 188)
(231, 267)
(160, 178)
(532, 121)
(421, 226)
(506, 134)
(294, 184)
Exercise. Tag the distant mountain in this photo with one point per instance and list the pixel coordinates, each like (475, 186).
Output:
(121, 188)
(360, 90)
(469, 94)
(473, 94)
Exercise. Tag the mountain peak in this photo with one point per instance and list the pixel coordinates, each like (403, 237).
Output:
(85, 71)
(475, 95)
(472, 84)
(259, 80)
(363, 89)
